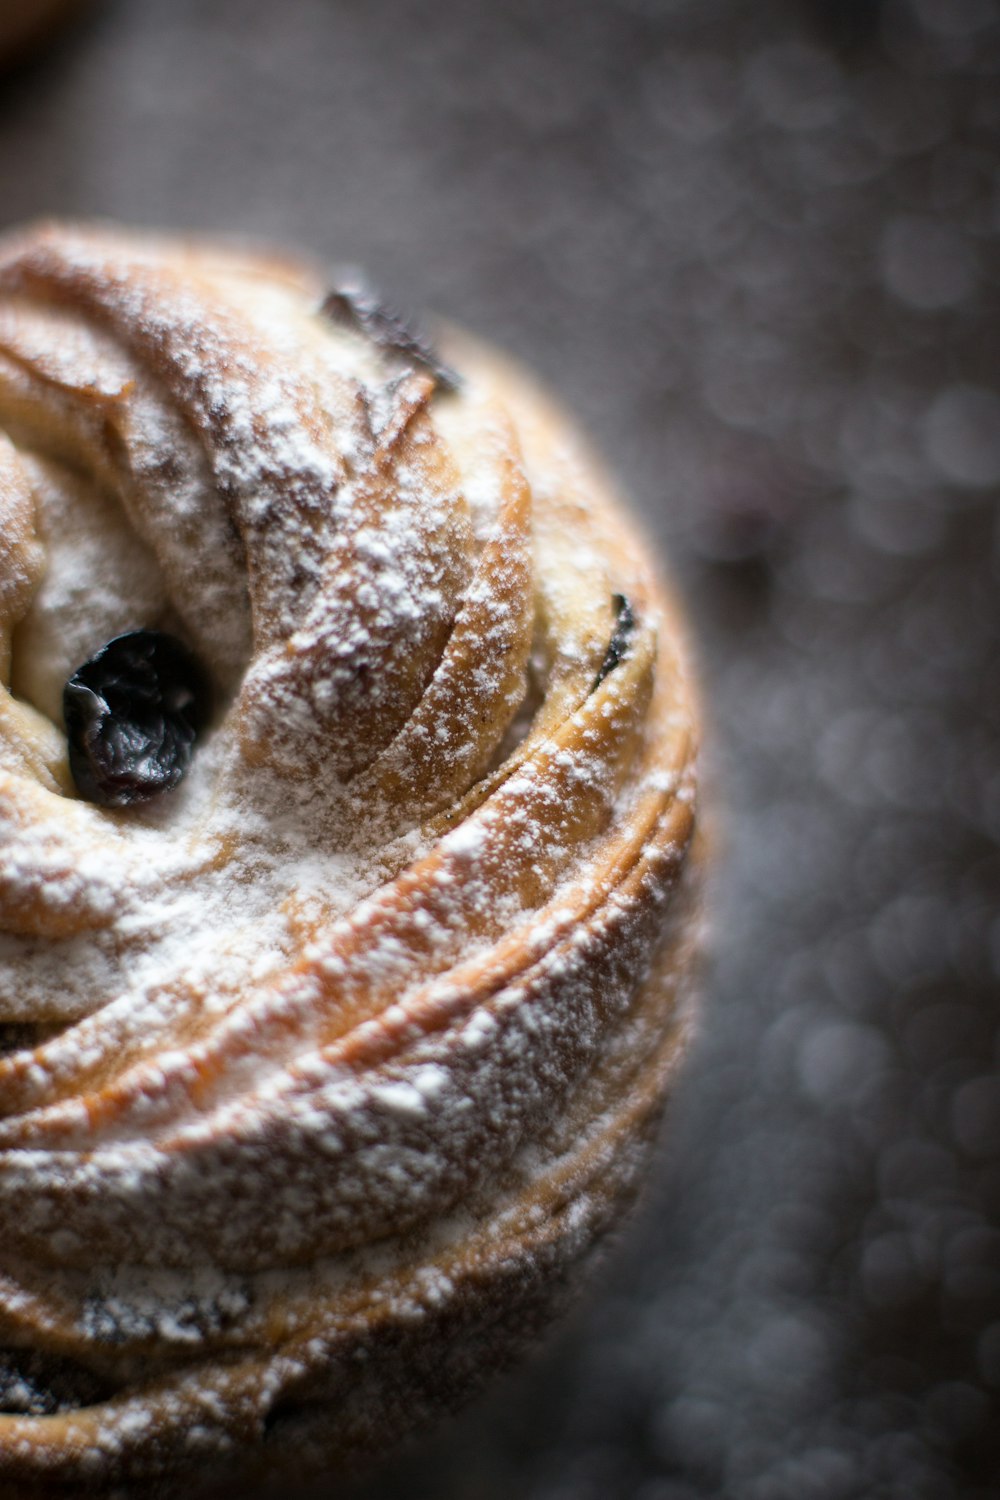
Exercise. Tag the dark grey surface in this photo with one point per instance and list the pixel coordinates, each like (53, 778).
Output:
(755, 246)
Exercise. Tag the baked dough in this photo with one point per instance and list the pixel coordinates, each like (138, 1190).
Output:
(322, 1071)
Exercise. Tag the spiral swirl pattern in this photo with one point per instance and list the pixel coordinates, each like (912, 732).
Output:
(317, 1074)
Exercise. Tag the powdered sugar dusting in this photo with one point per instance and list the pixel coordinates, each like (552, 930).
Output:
(360, 1020)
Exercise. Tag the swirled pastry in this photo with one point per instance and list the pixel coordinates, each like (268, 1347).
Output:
(321, 1069)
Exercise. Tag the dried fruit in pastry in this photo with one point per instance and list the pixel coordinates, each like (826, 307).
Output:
(324, 1066)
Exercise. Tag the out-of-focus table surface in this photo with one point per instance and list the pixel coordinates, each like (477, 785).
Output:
(756, 248)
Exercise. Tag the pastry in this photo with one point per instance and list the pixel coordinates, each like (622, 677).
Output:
(346, 891)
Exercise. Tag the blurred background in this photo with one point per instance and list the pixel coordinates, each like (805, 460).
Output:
(755, 246)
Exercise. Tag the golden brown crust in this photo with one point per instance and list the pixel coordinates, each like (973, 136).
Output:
(330, 1067)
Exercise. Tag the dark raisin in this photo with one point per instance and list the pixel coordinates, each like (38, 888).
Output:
(357, 307)
(621, 635)
(133, 712)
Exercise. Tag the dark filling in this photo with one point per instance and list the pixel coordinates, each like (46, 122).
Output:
(620, 637)
(358, 308)
(133, 712)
